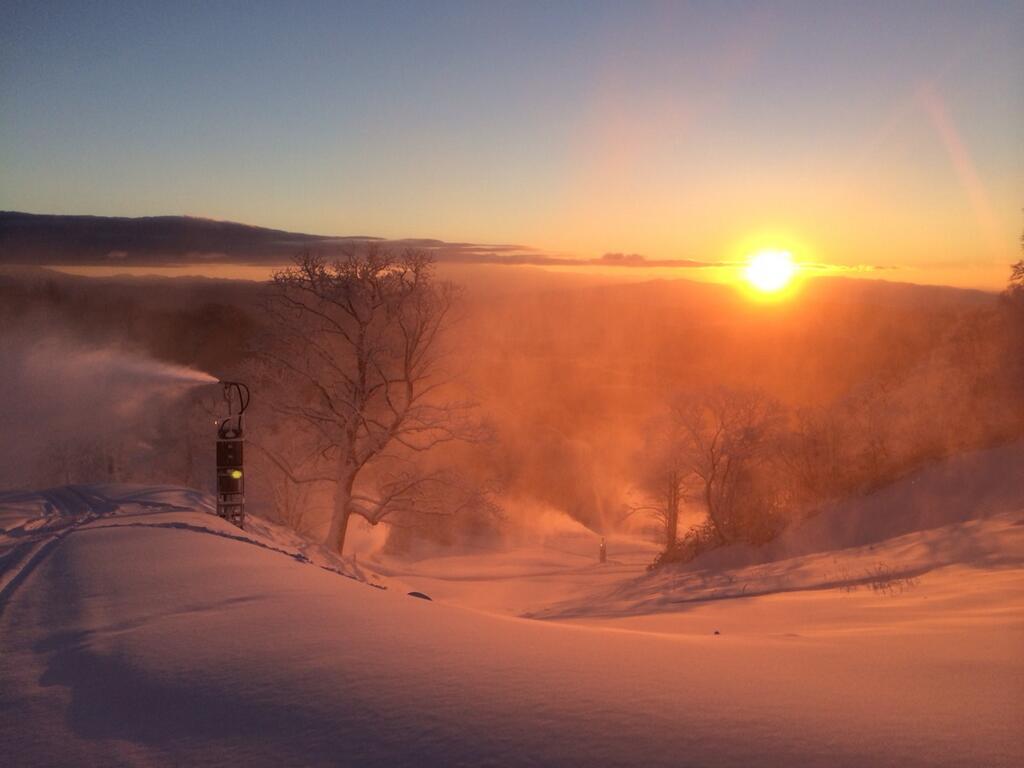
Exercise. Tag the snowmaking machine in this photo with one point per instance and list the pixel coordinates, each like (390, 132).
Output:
(230, 442)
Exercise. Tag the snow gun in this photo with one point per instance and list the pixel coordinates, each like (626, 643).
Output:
(230, 440)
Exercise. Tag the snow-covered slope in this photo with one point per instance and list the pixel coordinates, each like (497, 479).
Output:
(967, 487)
(966, 512)
(137, 629)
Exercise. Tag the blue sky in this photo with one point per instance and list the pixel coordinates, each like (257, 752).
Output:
(867, 132)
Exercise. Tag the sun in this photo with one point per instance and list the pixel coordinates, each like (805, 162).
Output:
(770, 271)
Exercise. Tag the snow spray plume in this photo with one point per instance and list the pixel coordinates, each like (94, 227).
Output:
(135, 368)
(58, 395)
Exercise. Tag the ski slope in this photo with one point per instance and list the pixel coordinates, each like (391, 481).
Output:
(138, 629)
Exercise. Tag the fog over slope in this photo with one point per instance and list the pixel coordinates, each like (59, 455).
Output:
(567, 373)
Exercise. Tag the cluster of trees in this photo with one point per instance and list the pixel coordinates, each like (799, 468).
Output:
(752, 466)
(714, 447)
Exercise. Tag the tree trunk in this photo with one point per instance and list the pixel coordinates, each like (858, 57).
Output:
(672, 517)
(342, 511)
(709, 501)
(339, 527)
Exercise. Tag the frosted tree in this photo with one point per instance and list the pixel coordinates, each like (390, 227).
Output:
(356, 351)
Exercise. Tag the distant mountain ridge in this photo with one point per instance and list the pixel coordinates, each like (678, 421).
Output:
(33, 239)
(52, 240)
(44, 239)
(58, 240)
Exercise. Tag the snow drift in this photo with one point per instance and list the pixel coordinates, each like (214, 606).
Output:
(137, 629)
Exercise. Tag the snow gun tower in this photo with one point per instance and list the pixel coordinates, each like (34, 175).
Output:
(230, 439)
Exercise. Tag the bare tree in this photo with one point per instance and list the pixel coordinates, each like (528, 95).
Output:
(664, 477)
(725, 435)
(1013, 306)
(816, 453)
(711, 447)
(1015, 285)
(357, 350)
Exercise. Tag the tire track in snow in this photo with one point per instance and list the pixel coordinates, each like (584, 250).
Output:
(74, 506)
(70, 507)
(67, 509)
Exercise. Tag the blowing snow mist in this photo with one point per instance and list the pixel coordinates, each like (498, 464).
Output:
(62, 403)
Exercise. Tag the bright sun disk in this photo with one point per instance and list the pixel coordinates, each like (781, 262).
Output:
(770, 271)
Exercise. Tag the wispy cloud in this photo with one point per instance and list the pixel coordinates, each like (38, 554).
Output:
(512, 255)
(465, 253)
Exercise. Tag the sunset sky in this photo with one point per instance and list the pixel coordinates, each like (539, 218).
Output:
(856, 134)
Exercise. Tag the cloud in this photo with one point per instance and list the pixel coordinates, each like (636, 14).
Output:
(818, 266)
(469, 253)
(513, 255)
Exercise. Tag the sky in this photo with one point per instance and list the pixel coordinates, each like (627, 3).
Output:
(859, 135)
